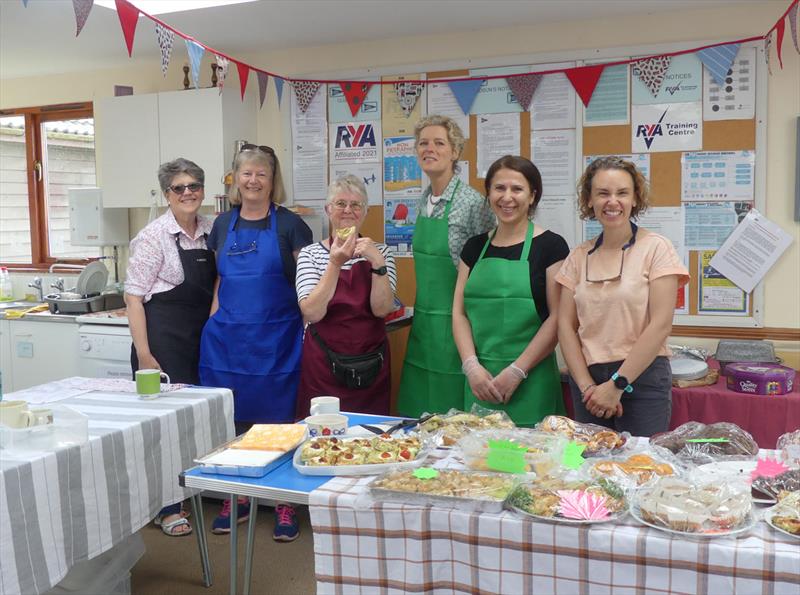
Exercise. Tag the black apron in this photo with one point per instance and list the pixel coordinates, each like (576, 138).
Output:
(175, 318)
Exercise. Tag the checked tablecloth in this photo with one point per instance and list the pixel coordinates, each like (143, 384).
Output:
(63, 507)
(365, 546)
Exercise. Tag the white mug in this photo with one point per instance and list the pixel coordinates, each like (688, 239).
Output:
(324, 405)
(42, 417)
(15, 414)
(326, 424)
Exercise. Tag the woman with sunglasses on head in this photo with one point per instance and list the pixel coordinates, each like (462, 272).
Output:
(168, 291)
(345, 287)
(617, 304)
(449, 213)
(506, 299)
(252, 342)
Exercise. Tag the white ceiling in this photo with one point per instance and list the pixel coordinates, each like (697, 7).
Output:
(40, 39)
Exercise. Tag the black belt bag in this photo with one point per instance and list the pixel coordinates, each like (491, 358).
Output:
(353, 371)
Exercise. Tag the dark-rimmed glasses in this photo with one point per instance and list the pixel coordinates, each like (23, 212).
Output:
(341, 205)
(179, 189)
(616, 277)
(262, 148)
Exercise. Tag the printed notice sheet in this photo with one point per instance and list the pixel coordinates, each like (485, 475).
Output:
(736, 99)
(553, 104)
(751, 250)
(682, 82)
(369, 173)
(717, 175)
(609, 104)
(498, 135)
(400, 214)
(402, 175)
(557, 213)
(442, 101)
(310, 151)
(495, 96)
(716, 294)
(339, 111)
(355, 142)
(553, 152)
(708, 224)
(666, 127)
(640, 160)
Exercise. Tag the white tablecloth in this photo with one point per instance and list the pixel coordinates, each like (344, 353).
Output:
(62, 507)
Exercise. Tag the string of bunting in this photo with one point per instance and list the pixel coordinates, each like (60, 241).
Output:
(651, 70)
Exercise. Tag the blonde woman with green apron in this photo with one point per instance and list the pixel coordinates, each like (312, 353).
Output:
(449, 213)
(504, 308)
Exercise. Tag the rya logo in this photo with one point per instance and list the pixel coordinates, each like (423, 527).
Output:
(674, 89)
(649, 131)
(349, 136)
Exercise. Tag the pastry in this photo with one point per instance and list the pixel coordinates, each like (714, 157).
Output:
(345, 232)
(595, 438)
(641, 467)
(277, 437)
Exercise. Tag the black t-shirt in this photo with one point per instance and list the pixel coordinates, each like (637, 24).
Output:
(293, 234)
(546, 249)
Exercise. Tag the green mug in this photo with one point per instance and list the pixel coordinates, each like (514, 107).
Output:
(148, 382)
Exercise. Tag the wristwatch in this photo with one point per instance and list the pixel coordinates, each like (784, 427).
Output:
(621, 382)
(380, 271)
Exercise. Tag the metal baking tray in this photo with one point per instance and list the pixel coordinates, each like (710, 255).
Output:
(745, 351)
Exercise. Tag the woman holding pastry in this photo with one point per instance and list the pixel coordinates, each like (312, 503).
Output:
(448, 214)
(505, 318)
(345, 287)
(617, 303)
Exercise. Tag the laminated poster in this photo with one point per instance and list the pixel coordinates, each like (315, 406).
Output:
(339, 111)
(682, 83)
(716, 294)
(400, 215)
(609, 104)
(553, 152)
(553, 105)
(640, 160)
(355, 142)
(310, 151)
(666, 127)
(498, 135)
(717, 176)
(708, 224)
(402, 175)
(736, 100)
(495, 96)
(369, 173)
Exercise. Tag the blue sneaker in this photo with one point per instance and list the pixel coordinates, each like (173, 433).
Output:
(222, 524)
(286, 527)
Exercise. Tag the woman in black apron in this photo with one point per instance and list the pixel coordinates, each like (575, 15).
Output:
(168, 291)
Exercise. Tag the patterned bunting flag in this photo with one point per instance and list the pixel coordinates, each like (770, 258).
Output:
(767, 47)
(222, 70)
(263, 78)
(305, 91)
(651, 72)
(718, 60)
(793, 25)
(128, 17)
(781, 27)
(465, 92)
(584, 80)
(524, 87)
(195, 51)
(354, 94)
(407, 95)
(165, 39)
(82, 9)
(244, 72)
(278, 88)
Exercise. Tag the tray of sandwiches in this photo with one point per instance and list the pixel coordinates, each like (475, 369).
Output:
(359, 455)
(254, 453)
(574, 501)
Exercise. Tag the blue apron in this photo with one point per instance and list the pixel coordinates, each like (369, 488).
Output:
(253, 343)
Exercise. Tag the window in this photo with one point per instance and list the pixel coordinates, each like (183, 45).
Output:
(43, 151)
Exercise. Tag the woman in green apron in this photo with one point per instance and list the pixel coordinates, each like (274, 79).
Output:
(449, 213)
(504, 309)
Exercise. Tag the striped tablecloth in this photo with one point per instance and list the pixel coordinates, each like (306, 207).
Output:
(364, 546)
(63, 507)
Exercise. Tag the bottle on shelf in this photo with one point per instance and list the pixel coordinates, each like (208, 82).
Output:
(6, 290)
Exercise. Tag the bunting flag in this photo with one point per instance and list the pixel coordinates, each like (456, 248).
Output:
(524, 87)
(305, 91)
(195, 51)
(25, 3)
(166, 39)
(718, 60)
(82, 9)
(781, 27)
(767, 47)
(793, 25)
(584, 80)
(263, 78)
(651, 72)
(128, 17)
(278, 88)
(355, 93)
(244, 72)
(407, 95)
(465, 92)
(222, 70)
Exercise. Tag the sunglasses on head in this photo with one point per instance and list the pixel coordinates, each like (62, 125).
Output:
(262, 148)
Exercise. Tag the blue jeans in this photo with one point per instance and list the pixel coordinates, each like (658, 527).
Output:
(646, 411)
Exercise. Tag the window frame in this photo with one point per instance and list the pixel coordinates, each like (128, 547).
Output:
(34, 156)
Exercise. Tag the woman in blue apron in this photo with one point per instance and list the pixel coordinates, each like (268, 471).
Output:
(168, 291)
(253, 341)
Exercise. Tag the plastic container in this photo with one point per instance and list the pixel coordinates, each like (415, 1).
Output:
(6, 289)
(69, 428)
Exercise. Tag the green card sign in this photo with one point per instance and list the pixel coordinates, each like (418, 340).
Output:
(426, 473)
(573, 455)
(506, 456)
(707, 440)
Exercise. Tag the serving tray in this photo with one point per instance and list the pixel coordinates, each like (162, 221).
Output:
(365, 469)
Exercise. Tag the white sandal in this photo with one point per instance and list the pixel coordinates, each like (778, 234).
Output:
(169, 528)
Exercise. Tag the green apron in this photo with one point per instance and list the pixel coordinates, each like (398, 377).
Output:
(501, 310)
(432, 380)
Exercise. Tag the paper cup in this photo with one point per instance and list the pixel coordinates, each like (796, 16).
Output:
(326, 424)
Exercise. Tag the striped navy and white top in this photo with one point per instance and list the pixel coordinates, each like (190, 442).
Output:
(313, 260)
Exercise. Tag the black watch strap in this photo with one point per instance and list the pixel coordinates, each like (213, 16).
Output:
(380, 270)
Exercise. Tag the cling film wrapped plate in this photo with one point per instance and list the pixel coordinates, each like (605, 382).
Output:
(598, 440)
(567, 500)
(451, 426)
(636, 470)
(542, 451)
(701, 443)
(789, 447)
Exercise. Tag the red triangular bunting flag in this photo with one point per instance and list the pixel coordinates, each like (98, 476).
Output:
(304, 91)
(781, 25)
(651, 71)
(524, 87)
(82, 9)
(355, 93)
(262, 87)
(128, 17)
(793, 25)
(584, 80)
(244, 71)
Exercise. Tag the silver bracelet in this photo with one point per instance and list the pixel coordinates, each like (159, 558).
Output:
(518, 370)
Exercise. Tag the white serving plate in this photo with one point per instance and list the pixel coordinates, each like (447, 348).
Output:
(768, 514)
(559, 519)
(743, 528)
(730, 471)
(367, 469)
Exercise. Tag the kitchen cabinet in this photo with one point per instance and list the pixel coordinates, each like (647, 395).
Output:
(137, 133)
(41, 352)
(5, 356)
